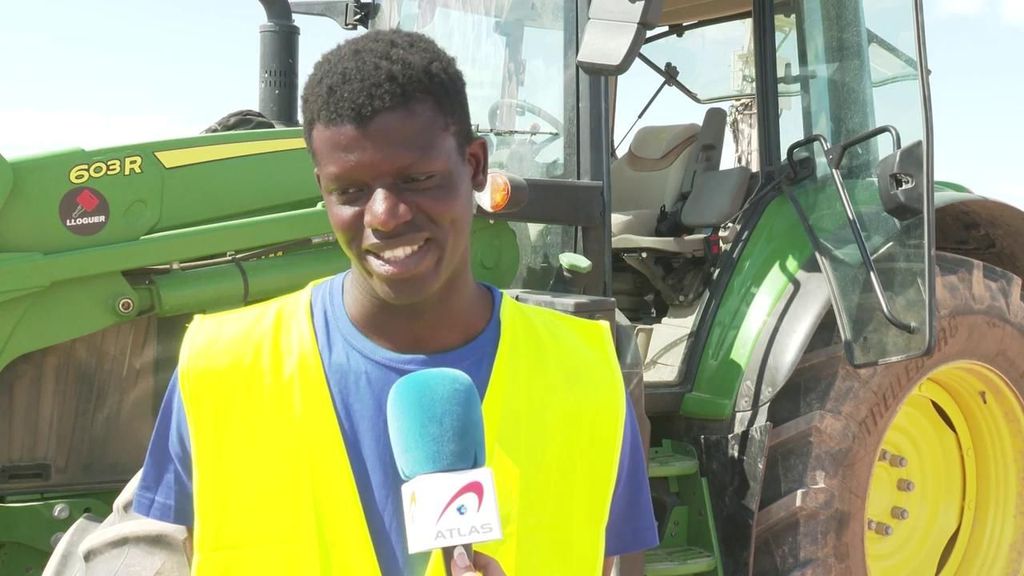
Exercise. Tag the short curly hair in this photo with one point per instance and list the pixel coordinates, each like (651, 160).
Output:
(380, 71)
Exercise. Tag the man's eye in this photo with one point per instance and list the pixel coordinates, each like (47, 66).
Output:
(346, 192)
(418, 178)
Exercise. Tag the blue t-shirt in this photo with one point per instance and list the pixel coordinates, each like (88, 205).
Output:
(360, 374)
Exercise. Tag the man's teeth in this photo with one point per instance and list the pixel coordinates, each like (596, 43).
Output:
(396, 254)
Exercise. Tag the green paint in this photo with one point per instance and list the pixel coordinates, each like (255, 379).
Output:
(707, 535)
(157, 199)
(222, 286)
(494, 252)
(678, 561)
(63, 311)
(21, 560)
(941, 185)
(28, 526)
(675, 533)
(574, 262)
(180, 245)
(663, 462)
(777, 248)
(688, 541)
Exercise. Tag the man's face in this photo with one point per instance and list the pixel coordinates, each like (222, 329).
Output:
(399, 195)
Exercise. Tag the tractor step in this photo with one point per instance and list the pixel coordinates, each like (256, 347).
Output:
(675, 561)
(665, 463)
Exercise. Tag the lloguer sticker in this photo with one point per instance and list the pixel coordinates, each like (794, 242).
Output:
(84, 211)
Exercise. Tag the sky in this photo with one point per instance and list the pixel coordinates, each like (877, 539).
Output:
(109, 72)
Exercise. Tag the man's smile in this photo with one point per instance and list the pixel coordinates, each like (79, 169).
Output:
(400, 257)
(396, 254)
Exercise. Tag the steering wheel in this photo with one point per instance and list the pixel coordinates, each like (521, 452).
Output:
(523, 106)
(523, 153)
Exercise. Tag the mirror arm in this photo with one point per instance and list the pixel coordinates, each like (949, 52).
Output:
(835, 156)
(791, 160)
(851, 216)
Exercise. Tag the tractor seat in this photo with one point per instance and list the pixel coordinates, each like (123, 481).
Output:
(649, 176)
(642, 186)
(717, 196)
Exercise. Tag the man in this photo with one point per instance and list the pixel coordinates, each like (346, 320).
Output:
(261, 393)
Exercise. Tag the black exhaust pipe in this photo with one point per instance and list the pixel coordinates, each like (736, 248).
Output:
(279, 64)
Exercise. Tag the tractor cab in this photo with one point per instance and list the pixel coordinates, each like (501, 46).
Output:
(752, 100)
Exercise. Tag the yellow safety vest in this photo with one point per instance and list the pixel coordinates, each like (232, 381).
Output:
(273, 490)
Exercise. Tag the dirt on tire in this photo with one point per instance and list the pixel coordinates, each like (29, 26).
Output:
(829, 420)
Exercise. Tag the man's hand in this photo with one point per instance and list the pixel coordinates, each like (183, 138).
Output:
(481, 564)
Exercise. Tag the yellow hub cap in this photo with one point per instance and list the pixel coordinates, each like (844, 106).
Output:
(944, 496)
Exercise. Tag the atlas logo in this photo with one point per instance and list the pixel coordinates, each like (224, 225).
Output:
(481, 529)
(445, 509)
(475, 488)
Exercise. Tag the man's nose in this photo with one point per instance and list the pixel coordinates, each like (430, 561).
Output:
(386, 210)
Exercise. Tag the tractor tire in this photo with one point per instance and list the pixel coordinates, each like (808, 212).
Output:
(915, 467)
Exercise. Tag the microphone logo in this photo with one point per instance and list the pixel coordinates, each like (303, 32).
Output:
(450, 508)
(473, 487)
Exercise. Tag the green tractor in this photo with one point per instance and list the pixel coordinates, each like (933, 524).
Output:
(824, 343)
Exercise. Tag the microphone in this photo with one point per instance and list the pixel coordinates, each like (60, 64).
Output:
(437, 437)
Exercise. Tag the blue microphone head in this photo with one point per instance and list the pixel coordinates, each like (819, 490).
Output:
(435, 422)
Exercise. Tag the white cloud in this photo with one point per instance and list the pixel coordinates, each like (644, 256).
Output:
(1013, 11)
(25, 131)
(964, 7)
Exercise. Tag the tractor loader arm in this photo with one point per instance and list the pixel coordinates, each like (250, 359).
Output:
(90, 239)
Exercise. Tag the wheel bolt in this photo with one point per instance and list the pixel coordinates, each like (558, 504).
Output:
(897, 461)
(883, 529)
(900, 513)
(883, 456)
(904, 485)
(871, 524)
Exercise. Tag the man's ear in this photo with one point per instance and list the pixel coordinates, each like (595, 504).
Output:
(476, 155)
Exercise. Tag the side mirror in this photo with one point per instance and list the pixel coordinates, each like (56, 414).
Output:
(900, 174)
(901, 182)
(614, 33)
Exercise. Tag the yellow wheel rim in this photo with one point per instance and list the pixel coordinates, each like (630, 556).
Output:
(943, 497)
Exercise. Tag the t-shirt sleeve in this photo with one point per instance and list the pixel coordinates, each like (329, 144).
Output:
(165, 488)
(631, 525)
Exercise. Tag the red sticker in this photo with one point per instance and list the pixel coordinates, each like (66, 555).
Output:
(84, 211)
